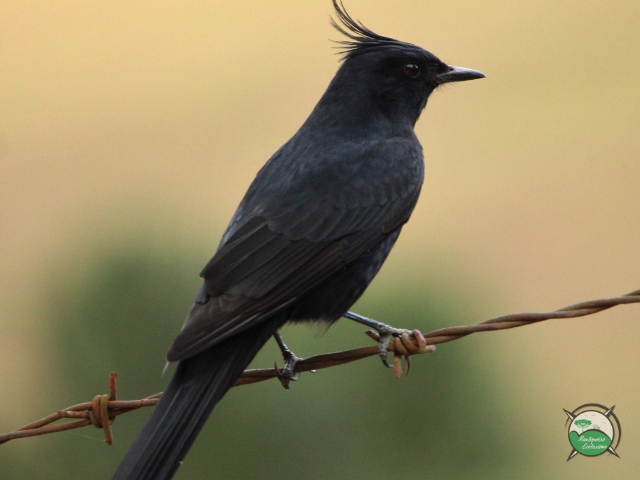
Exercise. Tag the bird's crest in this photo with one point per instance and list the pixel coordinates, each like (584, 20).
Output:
(361, 39)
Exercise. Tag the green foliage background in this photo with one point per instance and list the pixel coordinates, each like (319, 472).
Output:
(353, 421)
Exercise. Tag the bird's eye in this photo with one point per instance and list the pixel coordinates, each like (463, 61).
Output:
(412, 70)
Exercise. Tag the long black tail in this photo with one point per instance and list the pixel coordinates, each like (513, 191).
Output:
(197, 386)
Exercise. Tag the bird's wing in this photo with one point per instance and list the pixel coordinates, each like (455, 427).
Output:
(283, 244)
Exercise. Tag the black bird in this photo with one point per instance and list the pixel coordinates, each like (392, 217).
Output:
(312, 231)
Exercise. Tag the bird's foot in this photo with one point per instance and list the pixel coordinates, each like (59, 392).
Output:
(287, 374)
(404, 343)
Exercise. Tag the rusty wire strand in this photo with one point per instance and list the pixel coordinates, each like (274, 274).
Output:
(102, 411)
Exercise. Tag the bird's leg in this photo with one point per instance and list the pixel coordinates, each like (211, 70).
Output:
(286, 375)
(402, 338)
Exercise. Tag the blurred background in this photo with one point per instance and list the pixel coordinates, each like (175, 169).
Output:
(129, 132)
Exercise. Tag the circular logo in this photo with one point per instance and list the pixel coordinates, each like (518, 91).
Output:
(593, 430)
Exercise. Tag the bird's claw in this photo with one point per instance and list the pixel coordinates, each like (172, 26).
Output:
(405, 343)
(288, 374)
(383, 347)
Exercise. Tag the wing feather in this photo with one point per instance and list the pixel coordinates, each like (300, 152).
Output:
(287, 238)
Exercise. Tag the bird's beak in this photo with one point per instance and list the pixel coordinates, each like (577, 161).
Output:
(459, 74)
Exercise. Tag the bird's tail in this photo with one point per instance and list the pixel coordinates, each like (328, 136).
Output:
(197, 386)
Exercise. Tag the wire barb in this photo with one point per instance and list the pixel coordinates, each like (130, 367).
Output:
(103, 410)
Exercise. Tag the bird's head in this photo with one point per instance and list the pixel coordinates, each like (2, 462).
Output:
(395, 77)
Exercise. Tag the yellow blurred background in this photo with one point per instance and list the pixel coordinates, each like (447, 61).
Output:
(137, 126)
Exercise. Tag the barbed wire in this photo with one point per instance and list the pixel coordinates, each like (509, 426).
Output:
(103, 409)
